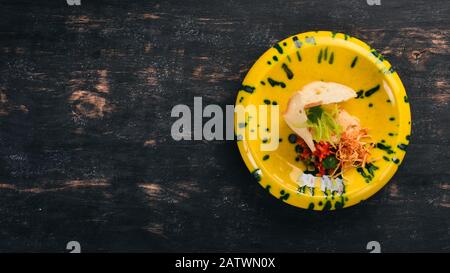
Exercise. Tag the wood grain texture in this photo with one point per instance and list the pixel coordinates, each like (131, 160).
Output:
(86, 153)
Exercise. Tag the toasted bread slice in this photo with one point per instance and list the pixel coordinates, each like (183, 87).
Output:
(313, 94)
(319, 93)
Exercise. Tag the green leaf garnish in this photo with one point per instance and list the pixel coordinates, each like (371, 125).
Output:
(322, 120)
(314, 113)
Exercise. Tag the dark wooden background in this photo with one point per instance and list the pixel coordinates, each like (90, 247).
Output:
(86, 152)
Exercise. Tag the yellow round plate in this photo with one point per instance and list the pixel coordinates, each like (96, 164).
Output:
(381, 105)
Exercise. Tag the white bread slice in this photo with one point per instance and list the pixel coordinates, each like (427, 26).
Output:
(318, 93)
(296, 118)
(313, 94)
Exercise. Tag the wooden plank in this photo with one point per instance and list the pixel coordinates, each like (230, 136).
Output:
(86, 154)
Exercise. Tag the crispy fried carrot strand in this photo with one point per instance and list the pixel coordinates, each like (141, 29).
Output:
(353, 150)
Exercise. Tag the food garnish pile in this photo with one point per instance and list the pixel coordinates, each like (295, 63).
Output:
(330, 140)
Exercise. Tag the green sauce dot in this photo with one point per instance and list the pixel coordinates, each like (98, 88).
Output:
(292, 138)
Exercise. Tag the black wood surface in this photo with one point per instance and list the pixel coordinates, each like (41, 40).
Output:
(86, 153)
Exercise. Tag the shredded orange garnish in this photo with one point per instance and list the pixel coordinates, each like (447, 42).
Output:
(352, 150)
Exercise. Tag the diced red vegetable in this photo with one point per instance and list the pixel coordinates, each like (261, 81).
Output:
(323, 150)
